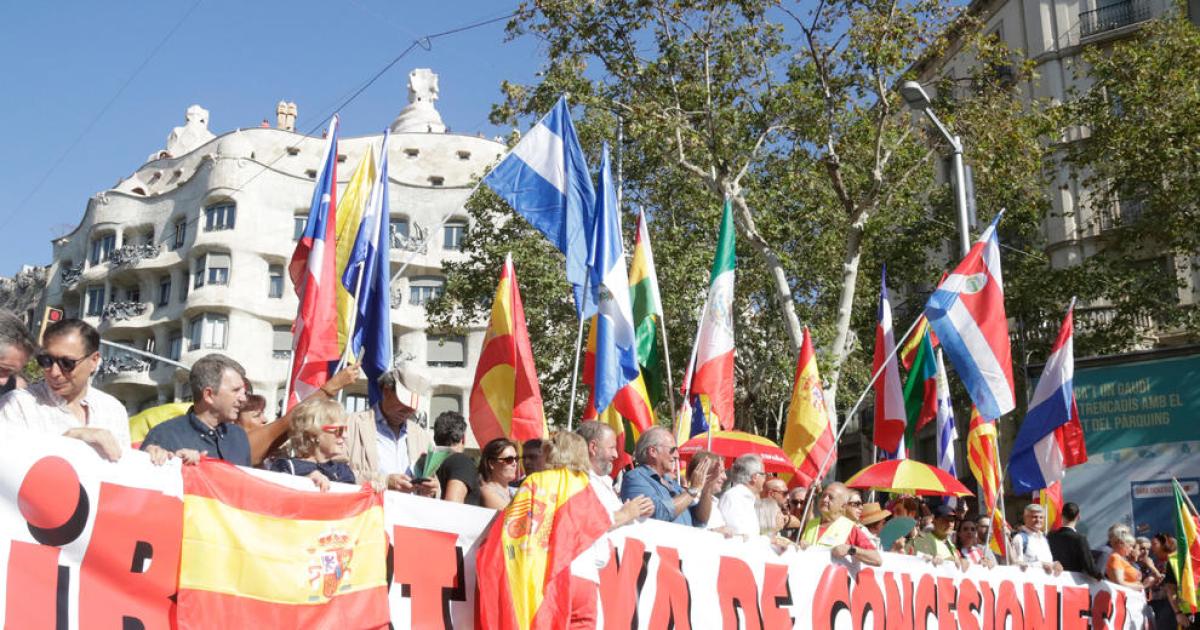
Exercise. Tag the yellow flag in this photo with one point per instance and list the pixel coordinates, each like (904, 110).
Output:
(349, 215)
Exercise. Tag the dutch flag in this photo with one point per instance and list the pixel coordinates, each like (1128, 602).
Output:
(967, 314)
(1050, 439)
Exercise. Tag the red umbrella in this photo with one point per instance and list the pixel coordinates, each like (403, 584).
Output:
(733, 444)
(906, 476)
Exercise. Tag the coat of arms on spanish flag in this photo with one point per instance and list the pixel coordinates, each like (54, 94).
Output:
(523, 565)
(259, 555)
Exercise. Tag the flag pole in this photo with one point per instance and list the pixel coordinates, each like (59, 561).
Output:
(853, 410)
(353, 321)
(687, 387)
(575, 369)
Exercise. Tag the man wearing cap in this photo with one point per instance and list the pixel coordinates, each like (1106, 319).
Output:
(833, 531)
(382, 444)
(936, 545)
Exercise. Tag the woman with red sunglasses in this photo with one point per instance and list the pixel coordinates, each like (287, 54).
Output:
(317, 443)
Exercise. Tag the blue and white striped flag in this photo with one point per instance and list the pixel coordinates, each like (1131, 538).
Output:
(545, 179)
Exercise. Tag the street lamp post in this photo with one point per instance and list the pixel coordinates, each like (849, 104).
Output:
(917, 100)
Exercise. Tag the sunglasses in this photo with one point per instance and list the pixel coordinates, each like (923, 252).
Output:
(511, 459)
(334, 429)
(855, 504)
(65, 364)
(795, 503)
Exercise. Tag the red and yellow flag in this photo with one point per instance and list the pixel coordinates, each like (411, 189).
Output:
(808, 437)
(981, 456)
(523, 566)
(259, 555)
(506, 400)
(631, 411)
(1051, 499)
(1186, 562)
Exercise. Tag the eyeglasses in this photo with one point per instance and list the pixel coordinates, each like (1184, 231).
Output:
(334, 429)
(66, 365)
(854, 504)
(795, 502)
(507, 461)
(671, 450)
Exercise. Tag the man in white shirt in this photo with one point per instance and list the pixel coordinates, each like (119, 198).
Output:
(746, 478)
(602, 452)
(65, 403)
(1029, 544)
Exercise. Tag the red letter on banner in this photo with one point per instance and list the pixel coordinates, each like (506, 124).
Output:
(866, 597)
(431, 582)
(32, 584)
(1075, 604)
(925, 603)
(1101, 609)
(672, 595)
(131, 565)
(1007, 605)
(776, 595)
(968, 605)
(621, 583)
(946, 598)
(1038, 613)
(736, 589)
(833, 596)
(900, 613)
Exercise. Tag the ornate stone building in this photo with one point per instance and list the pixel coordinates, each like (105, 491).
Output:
(188, 255)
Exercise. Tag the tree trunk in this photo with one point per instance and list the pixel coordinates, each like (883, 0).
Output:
(841, 348)
(783, 289)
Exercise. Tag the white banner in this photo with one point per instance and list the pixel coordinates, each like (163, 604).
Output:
(90, 544)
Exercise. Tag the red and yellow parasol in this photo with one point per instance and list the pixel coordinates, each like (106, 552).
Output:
(733, 444)
(906, 476)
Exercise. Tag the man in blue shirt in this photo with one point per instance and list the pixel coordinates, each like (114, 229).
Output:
(210, 427)
(658, 459)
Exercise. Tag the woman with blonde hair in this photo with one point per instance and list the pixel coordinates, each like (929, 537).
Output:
(567, 450)
(316, 439)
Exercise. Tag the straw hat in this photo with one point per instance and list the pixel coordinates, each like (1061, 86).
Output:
(872, 513)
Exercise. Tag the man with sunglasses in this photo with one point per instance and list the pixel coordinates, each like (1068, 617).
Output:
(654, 478)
(64, 403)
(210, 427)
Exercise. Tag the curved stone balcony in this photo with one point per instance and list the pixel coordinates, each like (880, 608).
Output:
(70, 276)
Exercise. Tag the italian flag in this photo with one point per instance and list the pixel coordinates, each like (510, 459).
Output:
(711, 371)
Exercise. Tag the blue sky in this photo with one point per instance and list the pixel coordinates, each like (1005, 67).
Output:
(63, 62)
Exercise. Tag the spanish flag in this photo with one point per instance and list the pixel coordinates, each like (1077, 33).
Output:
(259, 555)
(808, 437)
(523, 565)
(506, 400)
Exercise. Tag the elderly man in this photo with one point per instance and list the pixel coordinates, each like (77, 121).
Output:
(834, 531)
(657, 457)
(16, 346)
(602, 452)
(65, 403)
(737, 505)
(936, 545)
(382, 443)
(1029, 544)
(210, 427)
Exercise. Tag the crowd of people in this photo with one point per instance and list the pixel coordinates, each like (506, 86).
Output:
(383, 447)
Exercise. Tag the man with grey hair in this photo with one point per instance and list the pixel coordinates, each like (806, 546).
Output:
(381, 442)
(602, 452)
(1029, 544)
(737, 505)
(657, 459)
(16, 346)
(210, 427)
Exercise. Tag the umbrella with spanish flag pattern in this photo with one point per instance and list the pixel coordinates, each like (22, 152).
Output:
(906, 476)
(733, 444)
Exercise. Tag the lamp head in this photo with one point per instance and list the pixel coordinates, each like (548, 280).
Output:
(914, 96)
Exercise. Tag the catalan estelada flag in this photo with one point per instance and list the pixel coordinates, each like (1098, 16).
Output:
(506, 400)
(523, 566)
(1186, 562)
(259, 555)
(808, 437)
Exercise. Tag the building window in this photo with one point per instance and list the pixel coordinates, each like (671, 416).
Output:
(399, 228)
(176, 349)
(275, 281)
(149, 345)
(133, 294)
(281, 347)
(220, 217)
(355, 403)
(164, 291)
(102, 248)
(208, 331)
(453, 234)
(422, 289)
(213, 268)
(445, 351)
(299, 223)
(441, 403)
(180, 234)
(95, 301)
(183, 287)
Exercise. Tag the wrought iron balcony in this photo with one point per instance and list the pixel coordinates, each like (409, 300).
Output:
(123, 363)
(1113, 16)
(70, 275)
(128, 255)
(414, 241)
(118, 311)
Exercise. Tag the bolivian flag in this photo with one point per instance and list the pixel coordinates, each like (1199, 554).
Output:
(1186, 562)
(523, 566)
(259, 555)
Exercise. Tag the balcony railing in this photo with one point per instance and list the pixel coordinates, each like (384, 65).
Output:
(1113, 16)
(118, 311)
(128, 255)
(123, 363)
(414, 241)
(70, 275)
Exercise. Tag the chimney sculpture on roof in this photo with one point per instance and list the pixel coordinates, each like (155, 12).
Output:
(420, 116)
